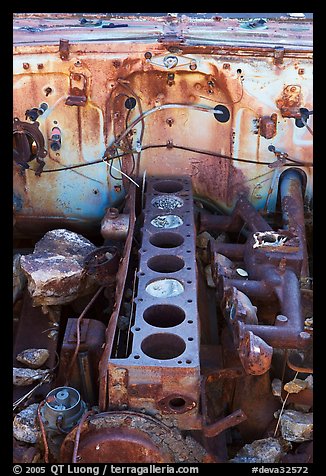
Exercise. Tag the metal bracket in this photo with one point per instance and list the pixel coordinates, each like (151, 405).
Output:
(64, 50)
(278, 55)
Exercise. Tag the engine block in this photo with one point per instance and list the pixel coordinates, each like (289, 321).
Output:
(162, 371)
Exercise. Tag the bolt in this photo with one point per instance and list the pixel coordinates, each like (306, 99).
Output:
(25, 65)
(193, 66)
(112, 213)
(300, 71)
(148, 55)
(76, 76)
(40, 66)
(293, 89)
(226, 65)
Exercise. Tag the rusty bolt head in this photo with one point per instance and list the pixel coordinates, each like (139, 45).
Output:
(193, 66)
(40, 66)
(300, 71)
(112, 213)
(148, 55)
(293, 89)
(226, 66)
(26, 65)
(170, 121)
(76, 76)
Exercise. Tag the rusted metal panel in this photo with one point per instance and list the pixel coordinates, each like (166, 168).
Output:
(250, 95)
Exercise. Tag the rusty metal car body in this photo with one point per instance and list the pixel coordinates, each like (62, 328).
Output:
(166, 163)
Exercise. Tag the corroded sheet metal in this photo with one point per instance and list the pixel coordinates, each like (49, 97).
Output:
(244, 78)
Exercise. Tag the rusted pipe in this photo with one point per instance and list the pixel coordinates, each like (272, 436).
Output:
(257, 289)
(291, 196)
(230, 250)
(280, 337)
(244, 212)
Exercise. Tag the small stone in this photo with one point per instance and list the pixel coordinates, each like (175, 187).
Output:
(295, 386)
(33, 358)
(209, 277)
(203, 239)
(267, 450)
(309, 322)
(25, 425)
(222, 238)
(310, 382)
(24, 377)
(296, 426)
(277, 387)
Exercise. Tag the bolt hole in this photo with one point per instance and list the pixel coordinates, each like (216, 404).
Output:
(239, 71)
(190, 322)
(95, 192)
(189, 282)
(188, 361)
(140, 299)
(179, 361)
(189, 300)
(137, 329)
(142, 274)
(189, 268)
(177, 403)
(190, 339)
(136, 357)
(188, 251)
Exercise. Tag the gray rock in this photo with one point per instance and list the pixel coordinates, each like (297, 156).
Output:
(24, 377)
(267, 450)
(33, 358)
(277, 387)
(25, 426)
(55, 270)
(296, 426)
(19, 279)
(310, 382)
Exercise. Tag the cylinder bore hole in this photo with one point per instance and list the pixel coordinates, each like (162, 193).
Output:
(177, 403)
(164, 315)
(165, 263)
(166, 239)
(163, 346)
(168, 186)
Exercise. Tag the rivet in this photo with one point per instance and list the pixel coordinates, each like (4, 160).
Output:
(25, 65)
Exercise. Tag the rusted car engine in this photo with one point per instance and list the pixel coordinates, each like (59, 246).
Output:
(162, 294)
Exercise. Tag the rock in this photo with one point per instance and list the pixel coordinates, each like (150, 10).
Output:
(267, 450)
(277, 387)
(25, 426)
(295, 386)
(222, 238)
(203, 239)
(296, 426)
(33, 358)
(19, 279)
(55, 270)
(209, 277)
(23, 377)
(310, 382)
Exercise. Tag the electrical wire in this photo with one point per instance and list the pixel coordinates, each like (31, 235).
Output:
(191, 149)
(160, 108)
(77, 437)
(45, 443)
